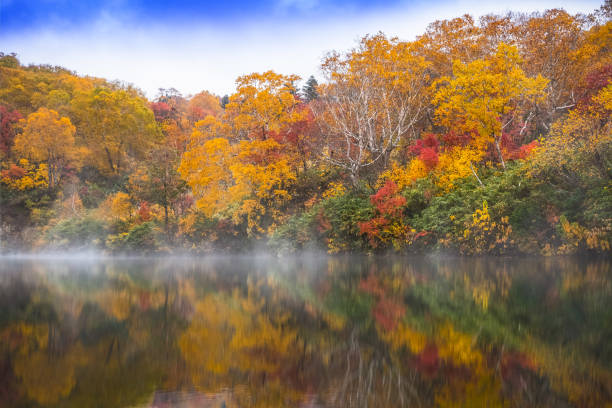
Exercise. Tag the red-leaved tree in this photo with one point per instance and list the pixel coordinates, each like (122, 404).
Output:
(8, 119)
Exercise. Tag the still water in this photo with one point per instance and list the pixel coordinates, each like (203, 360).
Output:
(305, 332)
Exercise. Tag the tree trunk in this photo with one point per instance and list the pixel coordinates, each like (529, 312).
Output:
(355, 178)
(166, 218)
(110, 160)
(501, 157)
(50, 176)
(475, 174)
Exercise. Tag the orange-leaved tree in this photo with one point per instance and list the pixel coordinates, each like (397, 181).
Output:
(247, 180)
(243, 164)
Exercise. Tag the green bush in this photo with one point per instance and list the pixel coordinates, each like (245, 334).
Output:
(508, 193)
(205, 233)
(77, 232)
(299, 233)
(141, 237)
(333, 223)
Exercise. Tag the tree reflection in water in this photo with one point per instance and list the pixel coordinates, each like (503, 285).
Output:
(328, 332)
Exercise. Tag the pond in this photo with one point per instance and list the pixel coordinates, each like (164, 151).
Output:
(305, 332)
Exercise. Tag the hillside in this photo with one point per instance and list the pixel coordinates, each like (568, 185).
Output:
(489, 136)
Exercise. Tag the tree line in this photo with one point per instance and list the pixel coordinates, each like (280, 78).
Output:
(479, 136)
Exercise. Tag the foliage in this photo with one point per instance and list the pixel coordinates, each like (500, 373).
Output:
(483, 235)
(575, 163)
(48, 138)
(116, 125)
(398, 147)
(234, 166)
(309, 90)
(79, 232)
(141, 238)
(8, 120)
(263, 103)
(120, 206)
(514, 205)
(387, 226)
(404, 176)
(26, 176)
(372, 101)
(334, 221)
(205, 167)
(202, 105)
(159, 182)
(203, 233)
(485, 96)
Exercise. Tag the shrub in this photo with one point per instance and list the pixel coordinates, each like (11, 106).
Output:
(141, 237)
(207, 233)
(299, 232)
(79, 232)
(484, 235)
(339, 221)
(334, 221)
(387, 226)
(509, 195)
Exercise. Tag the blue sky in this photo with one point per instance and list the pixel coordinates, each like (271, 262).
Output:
(193, 45)
(19, 15)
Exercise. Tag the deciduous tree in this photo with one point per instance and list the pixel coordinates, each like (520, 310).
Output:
(8, 120)
(159, 182)
(263, 103)
(116, 125)
(203, 104)
(48, 138)
(486, 96)
(373, 99)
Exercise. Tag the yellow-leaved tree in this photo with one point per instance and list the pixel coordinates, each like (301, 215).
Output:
(205, 166)
(263, 103)
(447, 40)
(262, 177)
(552, 44)
(484, 97)
(48, 138)
(374, 97)
(116, 125)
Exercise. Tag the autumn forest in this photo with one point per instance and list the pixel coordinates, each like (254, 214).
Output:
(487, 135)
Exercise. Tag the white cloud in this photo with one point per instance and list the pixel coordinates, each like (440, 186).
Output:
(298, 4)
(191, 58)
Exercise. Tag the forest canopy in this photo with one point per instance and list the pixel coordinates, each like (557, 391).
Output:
(480, 136)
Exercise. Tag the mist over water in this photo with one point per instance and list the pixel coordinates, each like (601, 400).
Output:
(84, 329)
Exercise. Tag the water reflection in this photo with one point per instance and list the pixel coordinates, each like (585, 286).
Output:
(321, 332)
